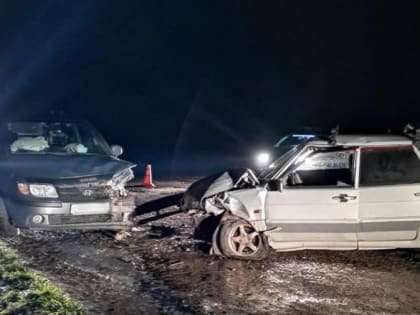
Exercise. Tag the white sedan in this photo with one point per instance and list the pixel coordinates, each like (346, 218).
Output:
(344, 193)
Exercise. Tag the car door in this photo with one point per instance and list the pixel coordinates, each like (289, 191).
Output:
(389, 206)
(320, 211)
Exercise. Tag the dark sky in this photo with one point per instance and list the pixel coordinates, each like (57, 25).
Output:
(187, 83)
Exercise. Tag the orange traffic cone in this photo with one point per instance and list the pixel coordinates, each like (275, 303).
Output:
(148, 181)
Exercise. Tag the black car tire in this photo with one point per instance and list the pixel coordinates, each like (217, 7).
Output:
(215, 248)
(238, 239)
(6, 228)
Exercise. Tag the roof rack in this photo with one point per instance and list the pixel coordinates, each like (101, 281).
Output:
(412, 132)
(330, 138)
(334, 133)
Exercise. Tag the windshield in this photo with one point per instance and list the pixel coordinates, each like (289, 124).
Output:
(55, 138)
(292, 140)
(278, 164)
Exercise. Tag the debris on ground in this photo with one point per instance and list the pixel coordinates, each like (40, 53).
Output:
(122, 235)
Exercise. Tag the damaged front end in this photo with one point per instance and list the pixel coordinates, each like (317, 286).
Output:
(88, 202)
(63, 174)
(95, 202)
(122, 203)
(209, 193)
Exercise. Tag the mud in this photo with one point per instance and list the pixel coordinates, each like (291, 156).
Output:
(160, 268)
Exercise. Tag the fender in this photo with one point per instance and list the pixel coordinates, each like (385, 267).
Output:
(249, 204)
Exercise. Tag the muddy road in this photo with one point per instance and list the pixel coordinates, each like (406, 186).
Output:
(160, 268)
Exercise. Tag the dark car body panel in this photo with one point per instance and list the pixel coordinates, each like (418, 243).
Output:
(55, 166)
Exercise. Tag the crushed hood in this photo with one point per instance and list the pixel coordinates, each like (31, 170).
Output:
(215, 184)
(62, 166)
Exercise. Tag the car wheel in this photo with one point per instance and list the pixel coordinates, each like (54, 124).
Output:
(6, 228)
(239, 239)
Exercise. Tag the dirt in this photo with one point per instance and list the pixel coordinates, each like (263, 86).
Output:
(161, 268)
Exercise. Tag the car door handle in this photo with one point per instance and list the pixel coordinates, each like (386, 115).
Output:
(417, 194)
(344, 197)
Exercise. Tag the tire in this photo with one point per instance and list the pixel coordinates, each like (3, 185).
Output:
(238, 239)
(6, 228)
(215, 248)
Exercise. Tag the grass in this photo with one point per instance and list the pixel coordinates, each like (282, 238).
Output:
(24, 292)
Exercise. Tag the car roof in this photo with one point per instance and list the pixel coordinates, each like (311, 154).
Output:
(367, 140)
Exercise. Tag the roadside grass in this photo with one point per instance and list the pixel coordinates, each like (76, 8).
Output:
(24, 292)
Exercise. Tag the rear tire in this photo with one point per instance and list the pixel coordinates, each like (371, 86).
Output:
(238, 239)
(6, 228)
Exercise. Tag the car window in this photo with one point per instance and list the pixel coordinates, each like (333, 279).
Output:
(55, 138)
(323, 168)
(292, 140)
(389, 166)
(278, 164)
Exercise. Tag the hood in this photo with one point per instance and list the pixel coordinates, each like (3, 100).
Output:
(50, 166)
(215, 184)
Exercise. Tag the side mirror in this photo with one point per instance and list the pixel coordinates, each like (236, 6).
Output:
(116, 150)
(275, 185)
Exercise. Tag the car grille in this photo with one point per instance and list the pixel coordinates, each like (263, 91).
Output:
(58, 219)
(83, 192)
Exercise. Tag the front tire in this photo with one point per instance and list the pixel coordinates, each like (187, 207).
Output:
(6, 228)
(238, 239)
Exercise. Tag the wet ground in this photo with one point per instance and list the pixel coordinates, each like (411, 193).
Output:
(160, 268)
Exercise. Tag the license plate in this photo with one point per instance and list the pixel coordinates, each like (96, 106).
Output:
(90, 208)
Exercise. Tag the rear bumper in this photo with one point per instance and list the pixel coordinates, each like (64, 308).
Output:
(59, 215)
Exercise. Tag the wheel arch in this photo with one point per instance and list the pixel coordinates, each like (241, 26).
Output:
(222, 240)
(249, 205)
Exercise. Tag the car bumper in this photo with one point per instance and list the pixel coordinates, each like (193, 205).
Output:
(66, 215)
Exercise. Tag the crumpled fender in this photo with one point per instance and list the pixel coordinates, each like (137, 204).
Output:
(196, 195)
(248, 204)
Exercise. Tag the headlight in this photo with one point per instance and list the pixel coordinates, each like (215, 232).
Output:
(263, 159)
(38, 190)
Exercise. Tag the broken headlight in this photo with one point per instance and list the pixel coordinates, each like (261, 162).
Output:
(38, 190)
(120, 179)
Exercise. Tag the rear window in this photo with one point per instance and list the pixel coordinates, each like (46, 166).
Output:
(389, 166)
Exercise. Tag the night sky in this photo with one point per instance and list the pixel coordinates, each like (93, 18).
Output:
(194, 86)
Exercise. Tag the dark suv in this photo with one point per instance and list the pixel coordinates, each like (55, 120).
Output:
(61, 175)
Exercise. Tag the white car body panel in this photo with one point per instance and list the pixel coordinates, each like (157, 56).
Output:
(303, 215)
(249, 204)
(372, 140)
(393, 210)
